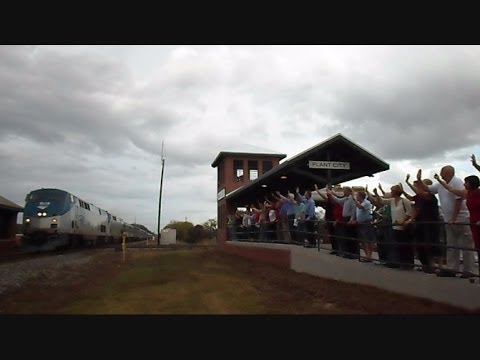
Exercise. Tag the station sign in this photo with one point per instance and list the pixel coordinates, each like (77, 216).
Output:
(335, 165)
(221, 194)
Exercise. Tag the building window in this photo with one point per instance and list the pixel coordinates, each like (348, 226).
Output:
(238, 170)
(252, 169)
(267, 165)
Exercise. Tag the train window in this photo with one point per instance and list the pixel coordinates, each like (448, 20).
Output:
(87, 206)
(71, 198)
(73, 224)
(114, 218)
(99, 212)
(103, 228)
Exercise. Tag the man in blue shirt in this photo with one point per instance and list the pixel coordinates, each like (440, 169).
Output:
(363, 216)
(310, 217)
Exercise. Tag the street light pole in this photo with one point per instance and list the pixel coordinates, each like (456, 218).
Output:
(160, 199)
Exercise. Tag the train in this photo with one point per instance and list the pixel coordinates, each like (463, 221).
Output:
(57, 219)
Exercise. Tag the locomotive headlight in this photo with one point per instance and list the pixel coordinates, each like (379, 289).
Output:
(39, 214)
(54, 220)
(44, 214)
(27, 220)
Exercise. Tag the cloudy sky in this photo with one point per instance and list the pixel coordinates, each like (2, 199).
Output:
(91, 119)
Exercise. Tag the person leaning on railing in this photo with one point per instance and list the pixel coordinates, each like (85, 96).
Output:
(299, 221)
(401, 211)
(346, 228)
(382, 222)
(427, 225)
(333, 215)
(310, 216)
(472, 194)
(456, 215)
(363, 217)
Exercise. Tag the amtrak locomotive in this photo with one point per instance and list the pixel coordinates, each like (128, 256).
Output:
(55, 219)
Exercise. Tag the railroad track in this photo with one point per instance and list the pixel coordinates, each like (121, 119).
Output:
(19, 255)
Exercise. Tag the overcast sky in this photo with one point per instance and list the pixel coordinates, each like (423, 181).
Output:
(91, 119)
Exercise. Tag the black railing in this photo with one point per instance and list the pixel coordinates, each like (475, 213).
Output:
(313, 233)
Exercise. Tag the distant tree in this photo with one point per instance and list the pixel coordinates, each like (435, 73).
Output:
(182, 228)
(196, 234)
(210, 224)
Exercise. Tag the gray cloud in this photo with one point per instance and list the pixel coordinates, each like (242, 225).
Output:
(91, 120)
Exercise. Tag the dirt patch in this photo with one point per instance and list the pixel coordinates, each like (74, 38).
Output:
(288, 292)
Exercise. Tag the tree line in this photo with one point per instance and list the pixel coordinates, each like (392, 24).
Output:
(190, 233)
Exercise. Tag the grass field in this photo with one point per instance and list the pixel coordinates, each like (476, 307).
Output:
(202, 282)
(178, 282)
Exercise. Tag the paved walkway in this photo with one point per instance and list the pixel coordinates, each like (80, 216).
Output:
(454, 291)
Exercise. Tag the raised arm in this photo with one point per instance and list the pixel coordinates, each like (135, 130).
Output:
(254, 209)
(458, 192)
(369, 195)
(319, 193)
(408, 196)
(474, 162)
(384, 194)
(372, 198)
(410, 185)
(340, 201)
(381, 189)
(277, 195)
(421, 185)
(379, 199)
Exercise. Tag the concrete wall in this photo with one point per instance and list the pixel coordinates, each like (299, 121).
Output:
(277, 256)
(168, 236)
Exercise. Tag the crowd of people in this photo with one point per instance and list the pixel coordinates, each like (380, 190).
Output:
(442, 233)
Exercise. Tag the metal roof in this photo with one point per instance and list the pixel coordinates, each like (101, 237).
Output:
(7, 204)
(296, 171)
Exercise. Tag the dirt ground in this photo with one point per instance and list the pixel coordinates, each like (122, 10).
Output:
(284, 291)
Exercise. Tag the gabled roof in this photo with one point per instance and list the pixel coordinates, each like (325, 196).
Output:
(296, 172)
(7, 204)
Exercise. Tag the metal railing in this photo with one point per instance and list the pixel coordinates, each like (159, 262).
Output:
(313, 233)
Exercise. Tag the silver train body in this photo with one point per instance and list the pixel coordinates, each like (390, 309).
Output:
(55, 218)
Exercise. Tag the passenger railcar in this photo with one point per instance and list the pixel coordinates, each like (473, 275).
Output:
(55, 218)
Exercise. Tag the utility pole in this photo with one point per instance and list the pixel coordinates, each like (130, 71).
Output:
(160, 199)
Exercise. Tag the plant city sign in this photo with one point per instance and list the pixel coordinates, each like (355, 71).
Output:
(336, 165)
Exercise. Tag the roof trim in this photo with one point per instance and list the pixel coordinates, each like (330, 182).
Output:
(303, 154)
(7, 204)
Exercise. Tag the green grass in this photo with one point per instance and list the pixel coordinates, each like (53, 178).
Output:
(177, 282)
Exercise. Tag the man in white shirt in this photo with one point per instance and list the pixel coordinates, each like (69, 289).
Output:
(455, 211)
